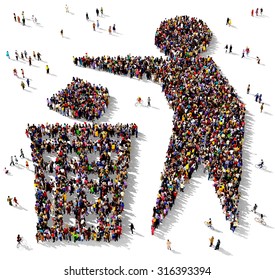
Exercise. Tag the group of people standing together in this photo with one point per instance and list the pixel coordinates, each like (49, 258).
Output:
(64, 179)
(80, 99)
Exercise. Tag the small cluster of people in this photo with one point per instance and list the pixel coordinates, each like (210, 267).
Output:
(230, 48)
(11, 200)
(24, 55)
(208, 115)
(18, 19)
(228, 21)
(257, 11)
(217, 246)
(80, 99)
(65, 184)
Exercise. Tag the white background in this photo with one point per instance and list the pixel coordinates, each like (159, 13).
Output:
(249, 252)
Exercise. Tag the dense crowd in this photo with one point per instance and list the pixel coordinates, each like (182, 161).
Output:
(208, 120)
(66, 158)
(80, 99)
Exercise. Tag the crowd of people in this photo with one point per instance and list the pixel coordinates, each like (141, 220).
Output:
(66, 160)
(208, 120)
(80, 99)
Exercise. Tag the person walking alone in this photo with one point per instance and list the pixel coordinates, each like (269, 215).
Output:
(149, 101)
(254, 208)
(262, 107)
(47, 69)
(21, 154)
(23, 85)
(16, 160)
(12, 162)
(168, 244)
(248, 89)
(132, 227)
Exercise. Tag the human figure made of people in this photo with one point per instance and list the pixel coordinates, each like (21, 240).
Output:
(208, 120)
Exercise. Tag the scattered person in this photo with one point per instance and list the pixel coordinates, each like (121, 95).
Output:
(262, 107)
(19, 239)
(226, 48)
(16, 160)
(260, 98)
(9, 200)
(21, 153)
(168, 244)
(23, 85)
(254, 208)
(12, 162)
(217, 247)
(15, 201)
(149, 101)
(261, 164)
(6, 171)
(16, 55)
(132, 227)
(247, 50)
(211, 239)
(248, 89)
